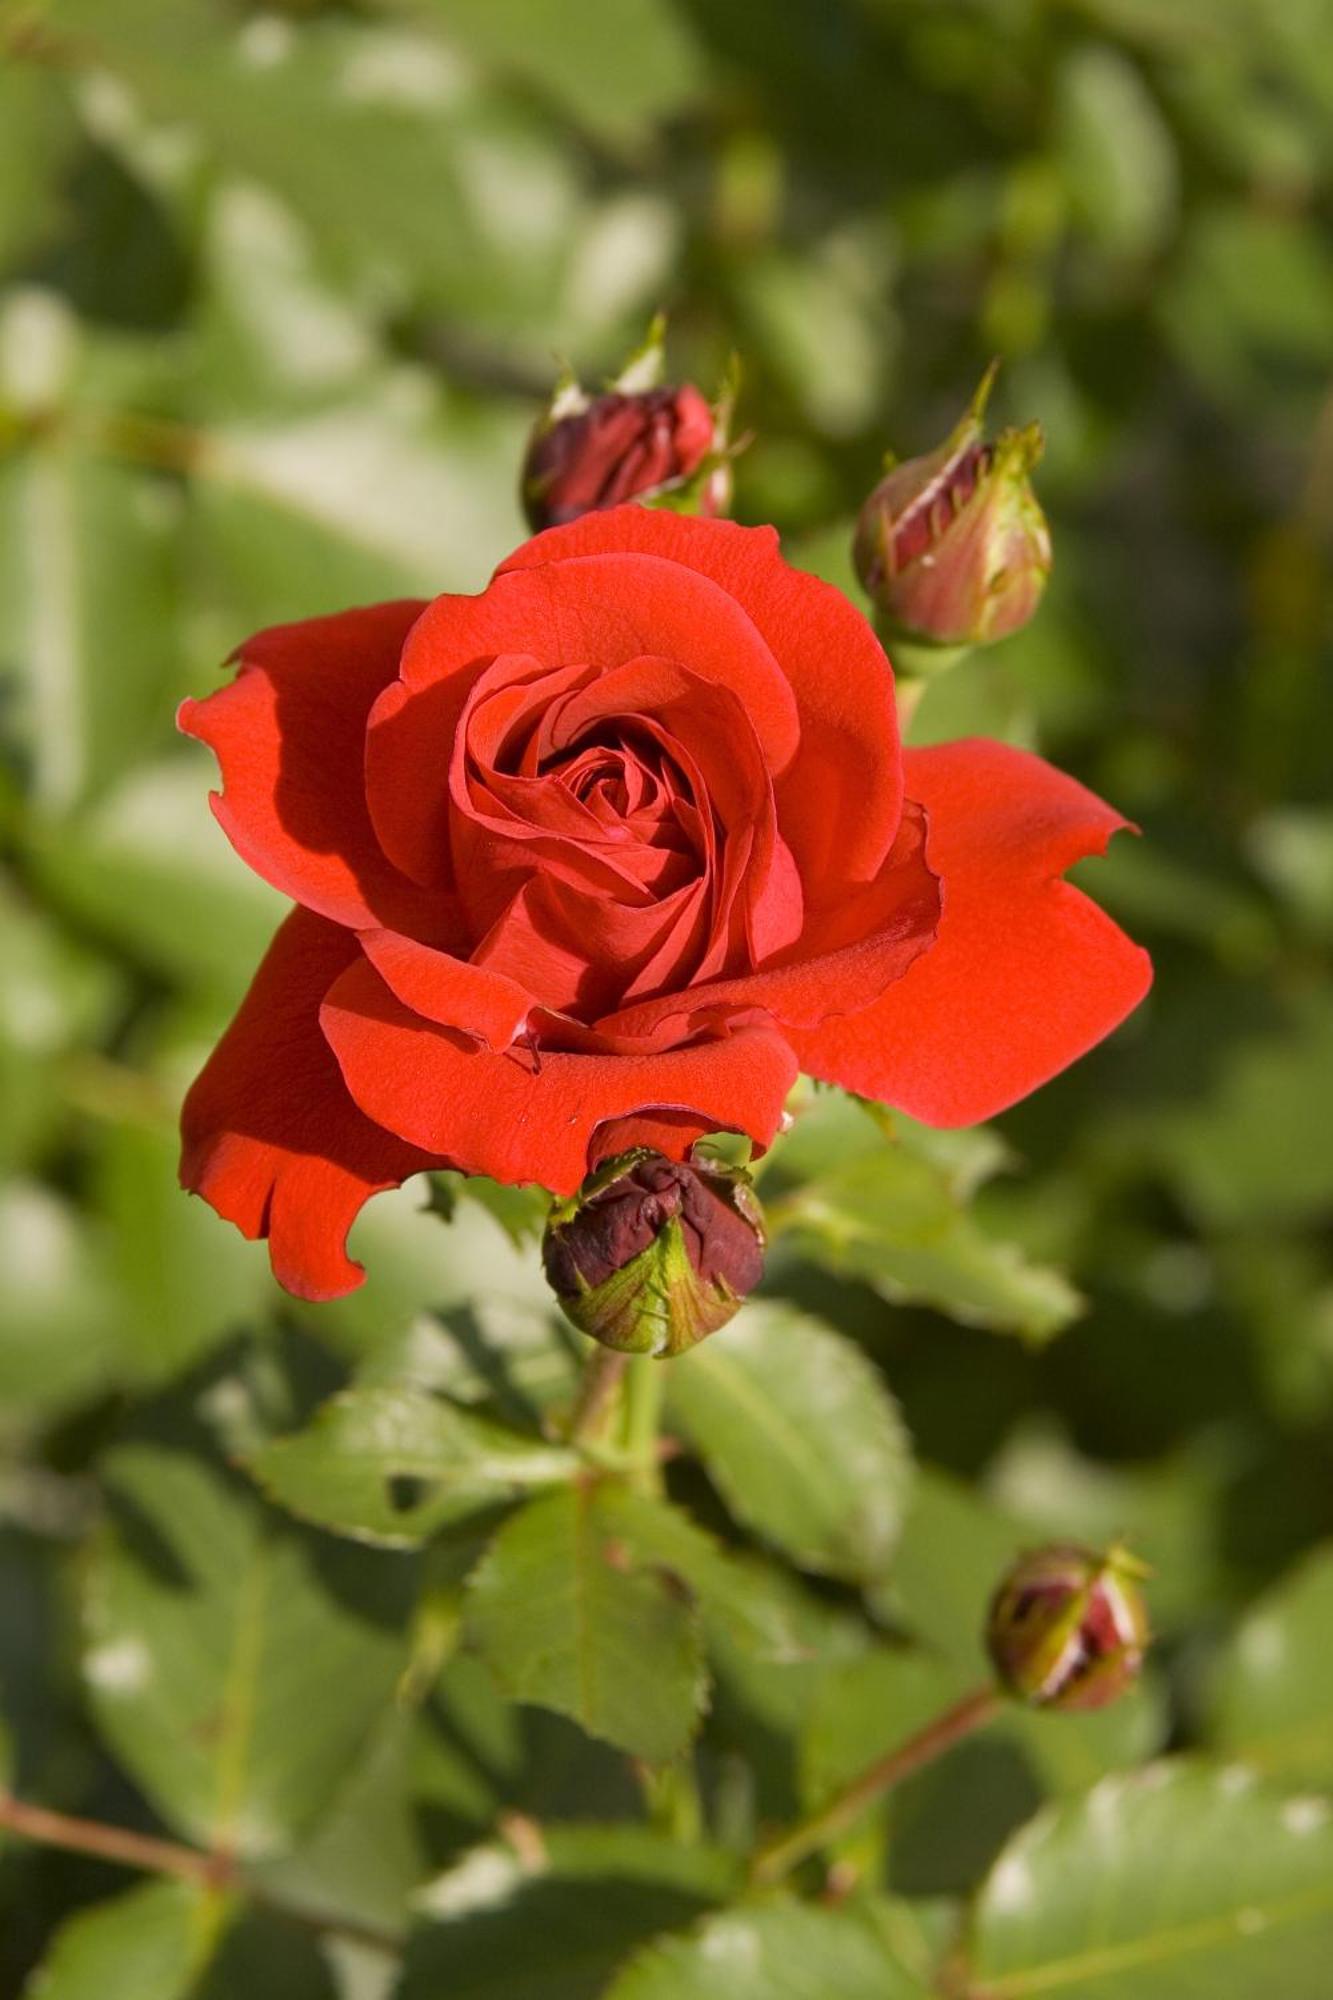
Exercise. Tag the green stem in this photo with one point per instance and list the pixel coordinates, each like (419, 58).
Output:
(603, 1372)
(777, 1857)
(644, 1386)
(671, 1795)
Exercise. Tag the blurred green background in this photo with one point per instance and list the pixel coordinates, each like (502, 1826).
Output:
(282, 288)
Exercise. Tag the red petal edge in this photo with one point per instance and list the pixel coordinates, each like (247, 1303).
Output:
(528, 1116)
(289, 734)
(271, 1138)
(1026, 973)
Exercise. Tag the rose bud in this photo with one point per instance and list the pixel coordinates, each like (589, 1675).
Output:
(618, 448)
(653, 1254)
(953, 547)
(1068, 1627)
(639, 441)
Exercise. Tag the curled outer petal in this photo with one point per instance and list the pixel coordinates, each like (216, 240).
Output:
(529, 1116)
(289, 735)
(271, 1138)
(1026, 973)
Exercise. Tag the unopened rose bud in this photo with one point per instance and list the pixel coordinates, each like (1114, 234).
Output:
(953, 547)
(653, 1254)
(618, 448)
(1068, 1627)
(641, 440)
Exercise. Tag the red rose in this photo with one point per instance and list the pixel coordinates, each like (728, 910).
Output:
(601, 858)
(621, 447)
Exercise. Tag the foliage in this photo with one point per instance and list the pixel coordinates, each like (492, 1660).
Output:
(319, 1586)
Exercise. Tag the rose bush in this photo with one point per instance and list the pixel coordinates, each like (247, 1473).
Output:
(602, 857)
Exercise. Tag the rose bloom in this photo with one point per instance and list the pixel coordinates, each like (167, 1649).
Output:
(603, 857)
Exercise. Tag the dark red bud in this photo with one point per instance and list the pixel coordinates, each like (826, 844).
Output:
(619, 447)
(1068, 1628)
(653, 1254)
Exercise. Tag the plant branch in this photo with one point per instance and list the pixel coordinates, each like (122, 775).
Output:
(777, 1857)
(118, 1844)
(125, 1848)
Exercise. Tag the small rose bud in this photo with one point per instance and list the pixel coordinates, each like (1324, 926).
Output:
(653, 1254)
(953, 547)
(1068, 1628)
(640, 440)
(617, 448)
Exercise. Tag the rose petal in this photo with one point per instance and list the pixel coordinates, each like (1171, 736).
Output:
(1026, 973)
(834, 970)
(505, 827)
(840, 798)
(576, 952)
(270, 1136)
(598, 612)
(453, 991)
(528, 1117)
(289, 736)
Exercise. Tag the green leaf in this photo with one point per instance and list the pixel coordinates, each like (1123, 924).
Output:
(149, 1944)
(266, 1956)
(455, 1308)
(234, 1666)
(800, 1437)
(409, 181)
(615, 65)
(170, 1314)
(776, 1689)
(392, 1465)
(892, 1212)
(571, 1613)
(955, 1547)
(365, 1856)
(1117, 151)
(88, 551)
(54, 998)
(133, 867)
(33, 1698)
(398, 490)
(822, 315)
(165, 1941)
(1248, 300)
(38, 131)
(1181, 1880)
(58, 1320)
(783, 1952)
(742, 1603)
(1258, 1147)
(520, 1211)
(552, 1922)
(1271, 1700)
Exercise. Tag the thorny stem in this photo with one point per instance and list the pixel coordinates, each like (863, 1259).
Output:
(603, 1372)
(777, 1857)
